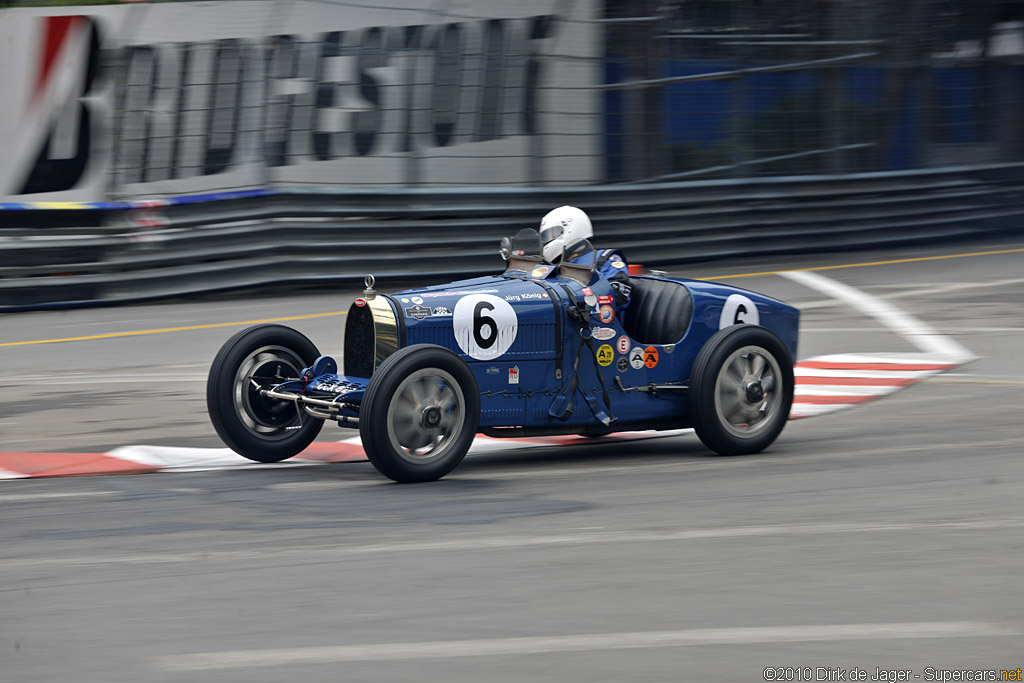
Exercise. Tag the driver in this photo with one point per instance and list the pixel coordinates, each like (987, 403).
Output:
(566, 226)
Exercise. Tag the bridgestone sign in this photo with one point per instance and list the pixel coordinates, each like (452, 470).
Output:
(129, 101)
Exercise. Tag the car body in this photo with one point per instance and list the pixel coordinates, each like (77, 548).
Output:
(535, 350)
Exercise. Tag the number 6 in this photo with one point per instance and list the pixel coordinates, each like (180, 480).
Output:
(480, 321)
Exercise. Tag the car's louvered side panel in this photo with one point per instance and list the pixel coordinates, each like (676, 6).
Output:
(532, 342)
(535, 341)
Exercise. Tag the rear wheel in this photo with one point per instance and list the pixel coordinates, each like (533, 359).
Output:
(420, 414)
(260, 428)
(741, 390)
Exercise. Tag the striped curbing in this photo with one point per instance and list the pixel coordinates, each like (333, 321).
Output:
(151, 459)
(823, 385)
(826, 384)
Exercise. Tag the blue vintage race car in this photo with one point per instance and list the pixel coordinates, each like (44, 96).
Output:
(536, 350)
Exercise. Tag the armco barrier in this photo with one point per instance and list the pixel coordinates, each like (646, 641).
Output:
(188, 245)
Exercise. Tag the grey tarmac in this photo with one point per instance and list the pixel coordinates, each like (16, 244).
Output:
(885, 537)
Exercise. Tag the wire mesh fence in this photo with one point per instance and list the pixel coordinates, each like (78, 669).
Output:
(561, 92)
(736, 88)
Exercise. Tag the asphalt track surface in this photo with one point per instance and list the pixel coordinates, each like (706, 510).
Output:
(887, 536)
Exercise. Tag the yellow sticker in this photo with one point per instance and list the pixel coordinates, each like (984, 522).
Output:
(605, 354)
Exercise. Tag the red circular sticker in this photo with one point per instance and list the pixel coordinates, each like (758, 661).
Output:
(607, 314)
(360, 302)
(623, 344)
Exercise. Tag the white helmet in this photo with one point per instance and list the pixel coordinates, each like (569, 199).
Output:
(563, 227)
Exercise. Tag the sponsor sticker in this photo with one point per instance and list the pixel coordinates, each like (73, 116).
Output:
(493, 370)
(360, 302)
(513, 374)
(417, 300)
(605, 299)
(336, 388)
(603, 333)
(485, 326)
(618, 264)
(622, 344)
(540, 271)
(588, 297)
(636, 358)
(418, 312)
(606, 314)
(526, 296)
(738, 309)
(404, 300)
(605, 355)
(651, 357)
(441, 310)
(622, 364)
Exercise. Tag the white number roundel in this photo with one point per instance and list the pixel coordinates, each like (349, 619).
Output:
(738, 309)
(485, 326)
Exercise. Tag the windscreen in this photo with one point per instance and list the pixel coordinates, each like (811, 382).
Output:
(526, 243)
(581, 252)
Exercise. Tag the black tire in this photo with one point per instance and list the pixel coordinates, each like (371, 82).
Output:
(732, 408)
(261, 429)
(419, 414)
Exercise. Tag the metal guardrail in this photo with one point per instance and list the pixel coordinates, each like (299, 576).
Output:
(151, 250)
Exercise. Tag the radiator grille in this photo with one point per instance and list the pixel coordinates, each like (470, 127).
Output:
(359, 342)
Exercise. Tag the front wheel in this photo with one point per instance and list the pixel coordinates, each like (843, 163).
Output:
(419, 414)
(260, 428)
(741, 390)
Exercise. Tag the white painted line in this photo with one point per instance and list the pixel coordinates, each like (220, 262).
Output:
(32, 497)
(481, 446)
(868, 374)
(126, 380)
(911, 293)
(196, 459)
(584, 642)
(208, 459)
(974, 379)
(816, 409)
(946, 288)
(322, 553)
(916, 332)
(841, 390)
(883, 358)
(946, 329)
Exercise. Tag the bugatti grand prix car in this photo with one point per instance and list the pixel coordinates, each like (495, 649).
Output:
(536, 350)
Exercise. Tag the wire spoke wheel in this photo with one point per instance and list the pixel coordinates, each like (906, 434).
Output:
(260, 428)
(272, 419)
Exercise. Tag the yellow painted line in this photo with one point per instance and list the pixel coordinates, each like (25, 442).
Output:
(137, 333)
(869, 263)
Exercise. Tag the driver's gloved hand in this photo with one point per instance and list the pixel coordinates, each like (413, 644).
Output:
(622, 291)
